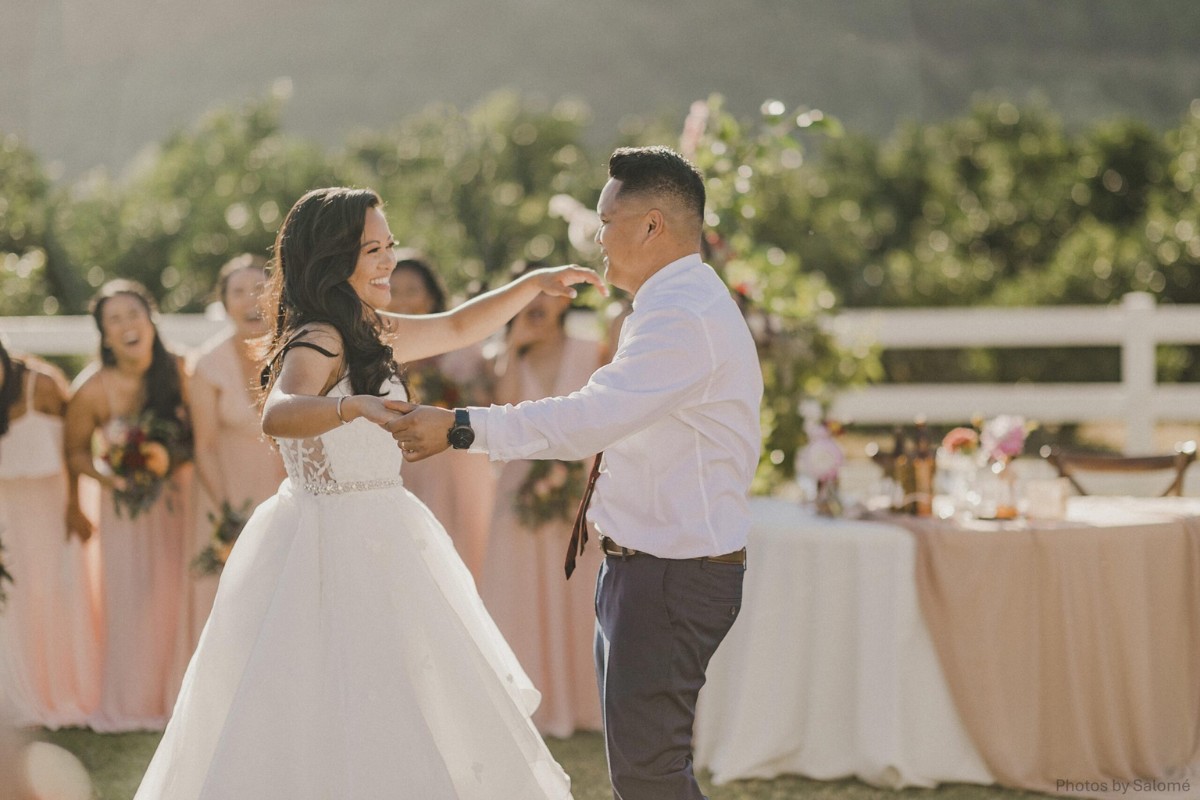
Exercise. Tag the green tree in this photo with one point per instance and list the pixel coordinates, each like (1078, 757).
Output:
(35, 276)
(200, 198)
(473, 189)
(755, 190)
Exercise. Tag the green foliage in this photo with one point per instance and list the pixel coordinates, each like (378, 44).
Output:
(473, 189)
(199, 199)
(26, 276)
(1002, 205)
(755, 195)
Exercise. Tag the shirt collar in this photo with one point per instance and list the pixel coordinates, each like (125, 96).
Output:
(676, 267)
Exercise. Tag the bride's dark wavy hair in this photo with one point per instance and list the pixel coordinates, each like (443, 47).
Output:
(315, 254)
(164, 387)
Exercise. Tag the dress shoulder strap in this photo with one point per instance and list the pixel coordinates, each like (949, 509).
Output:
(310, 345)
(297, 341)
(30, 387)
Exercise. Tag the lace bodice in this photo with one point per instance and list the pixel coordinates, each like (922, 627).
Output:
(357, 456)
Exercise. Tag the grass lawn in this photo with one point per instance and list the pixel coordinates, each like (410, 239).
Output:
(116, 763)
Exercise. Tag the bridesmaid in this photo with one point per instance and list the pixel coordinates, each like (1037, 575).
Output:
(144, 553)
(549, 622)
(458, 488)
(50, 628)
(235, 463)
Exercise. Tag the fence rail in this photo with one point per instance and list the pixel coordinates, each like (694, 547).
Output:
(1137, 326)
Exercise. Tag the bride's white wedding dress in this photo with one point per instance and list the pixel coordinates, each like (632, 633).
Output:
(348, 656)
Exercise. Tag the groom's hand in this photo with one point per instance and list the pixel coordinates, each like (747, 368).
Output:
(422, 431)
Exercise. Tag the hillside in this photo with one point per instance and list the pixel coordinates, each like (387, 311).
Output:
(89, 83)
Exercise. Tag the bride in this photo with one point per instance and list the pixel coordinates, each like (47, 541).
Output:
(348, 655)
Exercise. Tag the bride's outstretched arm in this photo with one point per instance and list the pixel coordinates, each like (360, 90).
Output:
(416, 337)
(297, 408)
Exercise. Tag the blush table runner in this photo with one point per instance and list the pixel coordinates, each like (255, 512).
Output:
(1072, 648)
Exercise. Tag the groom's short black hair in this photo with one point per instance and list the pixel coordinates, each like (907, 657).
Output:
(659, 171)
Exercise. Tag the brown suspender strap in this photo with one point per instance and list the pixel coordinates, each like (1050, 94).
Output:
(579, 535)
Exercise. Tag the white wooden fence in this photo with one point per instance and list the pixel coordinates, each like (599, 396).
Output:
(1137, 326)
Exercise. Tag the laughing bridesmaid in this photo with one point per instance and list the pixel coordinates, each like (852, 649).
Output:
(132, 404)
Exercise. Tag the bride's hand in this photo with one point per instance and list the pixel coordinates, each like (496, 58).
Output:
(421, 431)
(369, 407)
(558, 281)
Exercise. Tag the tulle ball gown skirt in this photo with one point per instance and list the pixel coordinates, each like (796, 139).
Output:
(348, 656)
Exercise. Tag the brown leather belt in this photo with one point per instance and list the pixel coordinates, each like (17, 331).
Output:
(611, 548)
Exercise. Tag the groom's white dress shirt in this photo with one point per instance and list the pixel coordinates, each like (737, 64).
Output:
(676, 413)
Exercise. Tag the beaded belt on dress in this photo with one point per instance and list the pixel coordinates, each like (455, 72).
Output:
(342, 487)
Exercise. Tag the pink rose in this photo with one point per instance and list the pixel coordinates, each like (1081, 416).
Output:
(1003, 437)
(961, 440)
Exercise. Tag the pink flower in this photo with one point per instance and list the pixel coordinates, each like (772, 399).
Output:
(821, 458)
(1003, 437)
(961, 440)
(557, 478)
(693, 128)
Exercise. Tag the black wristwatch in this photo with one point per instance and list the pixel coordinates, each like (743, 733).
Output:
(462, 435)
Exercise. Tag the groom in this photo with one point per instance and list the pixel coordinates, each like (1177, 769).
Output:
(676, 413)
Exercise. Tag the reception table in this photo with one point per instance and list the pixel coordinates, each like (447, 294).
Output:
(1047, 655)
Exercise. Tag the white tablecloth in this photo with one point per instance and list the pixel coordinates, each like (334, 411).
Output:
(829, 671)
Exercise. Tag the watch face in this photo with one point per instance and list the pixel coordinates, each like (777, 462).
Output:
(461, 437)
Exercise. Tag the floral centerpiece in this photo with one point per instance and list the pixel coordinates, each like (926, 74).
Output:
(958, 469)
(143, 454)
(227, 526)
(1002, 438)
(550, 492)
(961, 441)
(821, 460)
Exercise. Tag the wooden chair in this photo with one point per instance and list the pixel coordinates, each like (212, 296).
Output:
(1068, 464)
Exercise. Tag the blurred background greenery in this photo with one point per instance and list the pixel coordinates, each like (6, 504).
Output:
(1074, 182)
(1000, 206)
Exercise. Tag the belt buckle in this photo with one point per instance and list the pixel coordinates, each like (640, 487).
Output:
(611, 548)
(736, 557)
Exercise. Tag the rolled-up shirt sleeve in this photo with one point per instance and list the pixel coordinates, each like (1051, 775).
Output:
(664, 362)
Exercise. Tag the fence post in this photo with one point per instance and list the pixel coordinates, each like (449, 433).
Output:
(1138, 371)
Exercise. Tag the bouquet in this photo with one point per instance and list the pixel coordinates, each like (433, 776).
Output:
(429, 385)
(550, 492)
(144, 453)
(5, 577)
(227, 526)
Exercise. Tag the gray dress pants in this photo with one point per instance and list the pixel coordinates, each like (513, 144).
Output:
(658, 622)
